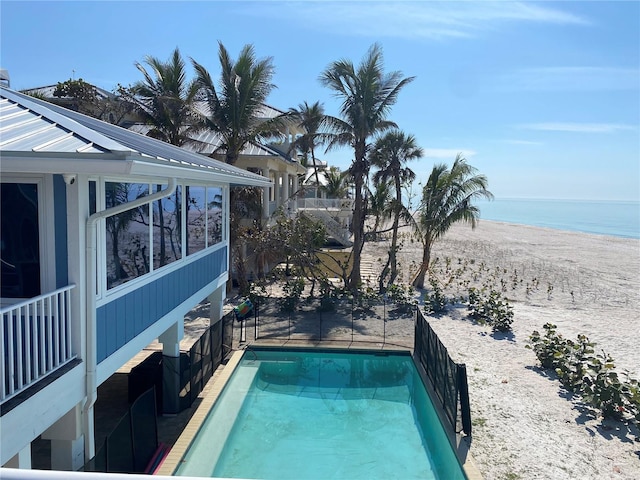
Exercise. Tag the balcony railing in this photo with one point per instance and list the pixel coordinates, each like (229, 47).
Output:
(326, 203)
(35, 340)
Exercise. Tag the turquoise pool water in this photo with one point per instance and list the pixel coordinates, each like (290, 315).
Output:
(320, 415)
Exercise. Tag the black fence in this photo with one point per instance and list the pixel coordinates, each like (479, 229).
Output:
(133, 443)
(318, 319)
(448, 379)
(132, 446)
(206, 354)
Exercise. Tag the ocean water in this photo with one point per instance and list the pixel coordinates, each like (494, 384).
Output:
(615, 218)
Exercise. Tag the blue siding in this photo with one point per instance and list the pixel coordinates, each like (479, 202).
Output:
(121, 320)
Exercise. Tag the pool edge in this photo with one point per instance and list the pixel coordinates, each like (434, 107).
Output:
(459, 443)
(179, 449)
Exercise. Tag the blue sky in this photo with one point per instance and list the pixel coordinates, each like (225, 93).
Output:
(542, 97)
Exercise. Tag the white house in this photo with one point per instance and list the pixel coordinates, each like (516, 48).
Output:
(108, 239)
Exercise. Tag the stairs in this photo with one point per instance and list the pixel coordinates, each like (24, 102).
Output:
(334, 229)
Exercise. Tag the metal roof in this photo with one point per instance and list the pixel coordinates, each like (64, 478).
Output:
(207, 142)
(34, 129)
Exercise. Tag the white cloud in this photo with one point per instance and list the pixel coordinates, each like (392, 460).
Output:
(447, 153)
(578, 127)
(413, 19)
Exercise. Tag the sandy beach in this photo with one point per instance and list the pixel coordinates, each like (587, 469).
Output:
(525, 424)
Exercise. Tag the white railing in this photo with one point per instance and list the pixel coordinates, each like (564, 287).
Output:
(334, 229)
(326, 203)
(35, 340)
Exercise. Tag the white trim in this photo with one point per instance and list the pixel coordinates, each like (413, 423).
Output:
(46, 229)
(47, 221)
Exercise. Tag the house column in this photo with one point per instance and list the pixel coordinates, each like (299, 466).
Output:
(216, 302)
(285, 187)
(279, 189)
(170, 340)
(67, 441)
(22, 459)
(265, 195)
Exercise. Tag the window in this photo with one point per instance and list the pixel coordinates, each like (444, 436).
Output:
(127, 234)
(158, 233)
(167, 228)
(214, 216)
(196, 219)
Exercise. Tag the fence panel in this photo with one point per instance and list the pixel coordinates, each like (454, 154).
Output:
(144, 430)
(448, 378)
(120, 447)
(328, 319)
(195, 355)
(227, 337)
(207, 359)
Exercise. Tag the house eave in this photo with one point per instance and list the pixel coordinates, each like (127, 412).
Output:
(106, 164)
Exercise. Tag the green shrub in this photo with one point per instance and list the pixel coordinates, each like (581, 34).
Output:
(292, 290)
(365, 297)
(402, 295)
(435, 302)
(591, 376)
(490, 309)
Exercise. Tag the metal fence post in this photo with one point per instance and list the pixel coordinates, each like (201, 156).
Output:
(463, 391)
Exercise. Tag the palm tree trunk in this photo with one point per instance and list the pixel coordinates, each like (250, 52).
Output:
(315, 171)
(355, 278)
(418, 280)
(394, 235)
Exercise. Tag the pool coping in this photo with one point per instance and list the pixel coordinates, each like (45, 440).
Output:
(179, 449)
(171, 463)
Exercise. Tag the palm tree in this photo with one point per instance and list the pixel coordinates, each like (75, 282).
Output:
(313, 120)
(165, 100)
(336, 186)
(380, 204)
(446, 199)
(235, 112)
(235, 106)
(390, 153)
(367, 94)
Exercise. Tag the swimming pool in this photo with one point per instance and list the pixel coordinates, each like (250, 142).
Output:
(322, 414)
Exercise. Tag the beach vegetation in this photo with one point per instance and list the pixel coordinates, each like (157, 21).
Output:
(435, 300)
(390, 154)
(490, 308)
(447, 198)
(402, 295)
(367, 94)
(592, 376)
